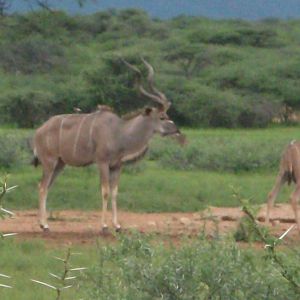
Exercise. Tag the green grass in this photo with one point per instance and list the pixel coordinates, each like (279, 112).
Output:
(34, 260)
(151, 190)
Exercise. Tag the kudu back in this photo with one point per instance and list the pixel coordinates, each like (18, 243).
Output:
(289, 172)
(103, 138)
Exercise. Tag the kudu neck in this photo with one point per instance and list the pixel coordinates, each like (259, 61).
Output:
(137, 132)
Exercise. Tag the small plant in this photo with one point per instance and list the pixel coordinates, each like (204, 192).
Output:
(4, 213)
(246, 231)
(66, 279)
(271, 244)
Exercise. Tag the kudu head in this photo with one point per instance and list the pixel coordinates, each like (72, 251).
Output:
(161, 121)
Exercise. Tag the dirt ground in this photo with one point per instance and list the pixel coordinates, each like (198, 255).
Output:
(81, 227)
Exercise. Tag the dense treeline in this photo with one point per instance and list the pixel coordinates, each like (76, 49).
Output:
(229, 73)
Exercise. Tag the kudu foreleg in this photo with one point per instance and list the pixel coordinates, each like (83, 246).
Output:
(273, 194)
(105, 191)
(114, 182)
(43, 193)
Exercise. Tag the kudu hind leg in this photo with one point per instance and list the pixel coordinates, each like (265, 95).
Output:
(294, 202)
(280, 180)
(49, 174)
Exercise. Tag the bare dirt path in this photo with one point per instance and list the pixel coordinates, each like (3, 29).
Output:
(82, 227)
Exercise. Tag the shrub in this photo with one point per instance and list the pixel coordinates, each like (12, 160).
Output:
(32, 55)
(14, 150)
(98, 23)
(202, 105)
(219, 153)
(54, 26)
(258, 113)
(246, 232)
(26, 108)
(138, 269)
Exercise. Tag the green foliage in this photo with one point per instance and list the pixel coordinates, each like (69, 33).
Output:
(246, 233)
(216, 73)
(27, 108)
(50, 26)
(281, 264)
(135, 268)
(219, 151)
(32, 55)
(14, 149)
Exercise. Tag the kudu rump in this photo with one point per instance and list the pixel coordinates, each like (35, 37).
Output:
(103, 138)
(289, 171)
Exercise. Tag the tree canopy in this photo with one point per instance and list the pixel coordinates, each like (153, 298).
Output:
(228, 73)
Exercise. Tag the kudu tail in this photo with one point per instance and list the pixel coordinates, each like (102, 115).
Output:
(290, 173)
(35, 161)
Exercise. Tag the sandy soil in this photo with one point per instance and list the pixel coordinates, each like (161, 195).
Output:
(82, 227)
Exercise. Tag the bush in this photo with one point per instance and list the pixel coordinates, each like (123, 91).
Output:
(27, 108)
(202, 105)
(258, 113)
(233, 154)
(50, 26)
(32, 55)
(246, 232)
(138, 269)
(14, 150)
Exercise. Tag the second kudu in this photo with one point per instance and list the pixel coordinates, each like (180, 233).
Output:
(103, 138)
(289, 171)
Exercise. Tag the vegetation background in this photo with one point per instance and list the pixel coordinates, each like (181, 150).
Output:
(219, 75)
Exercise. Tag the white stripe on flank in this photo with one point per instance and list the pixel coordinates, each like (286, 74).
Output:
(60, 135)
(78, 134)
(48, 141)
(91, 129)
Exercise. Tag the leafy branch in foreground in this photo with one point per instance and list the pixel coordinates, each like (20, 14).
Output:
(270, 242)
(4, 213)
(63, 280)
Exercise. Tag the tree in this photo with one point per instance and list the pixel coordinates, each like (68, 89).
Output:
(45, 4)
(191, 57)
(4, 6)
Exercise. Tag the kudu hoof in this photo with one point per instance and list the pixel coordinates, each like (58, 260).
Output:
(45, 228)
(105, 230)
(118, 229)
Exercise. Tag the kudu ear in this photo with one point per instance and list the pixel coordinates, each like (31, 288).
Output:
(147, 111)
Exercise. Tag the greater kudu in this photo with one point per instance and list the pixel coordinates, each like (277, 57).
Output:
(103, 138)
(289, 171)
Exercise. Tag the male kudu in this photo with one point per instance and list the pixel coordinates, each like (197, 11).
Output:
(103, 138)
(289, 170)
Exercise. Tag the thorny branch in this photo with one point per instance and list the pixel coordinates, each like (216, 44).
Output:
(4, 213)
(270, 242)
(64, 277)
